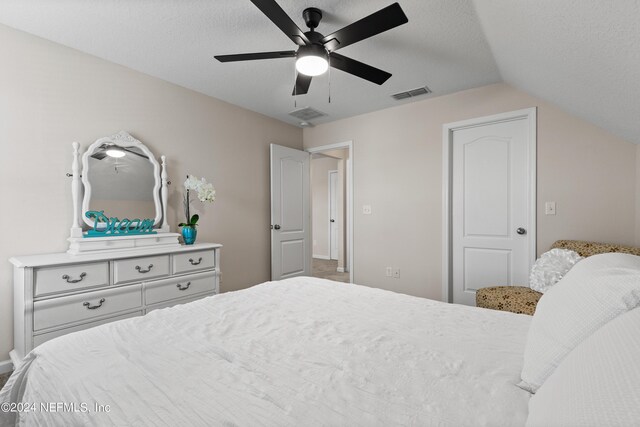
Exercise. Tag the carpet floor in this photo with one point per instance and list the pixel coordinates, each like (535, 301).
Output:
(327, 269)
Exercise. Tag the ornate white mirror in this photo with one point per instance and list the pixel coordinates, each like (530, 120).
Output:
(125, 197)
(121, 177)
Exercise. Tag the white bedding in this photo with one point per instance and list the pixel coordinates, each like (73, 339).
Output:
(300, 352)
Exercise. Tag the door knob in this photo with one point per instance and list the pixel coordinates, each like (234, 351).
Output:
(521, 231)
(333, 220)
(277, 227)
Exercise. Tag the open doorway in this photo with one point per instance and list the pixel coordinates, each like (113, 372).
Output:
(331, 213)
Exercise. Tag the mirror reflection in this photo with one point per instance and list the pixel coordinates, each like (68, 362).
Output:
(122, 182)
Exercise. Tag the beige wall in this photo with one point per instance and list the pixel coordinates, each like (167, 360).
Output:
(320, 168)
(397, 163)
(638, 196)
(51, 95)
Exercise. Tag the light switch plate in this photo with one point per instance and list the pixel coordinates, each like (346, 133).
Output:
(366, 209)
(550, 208)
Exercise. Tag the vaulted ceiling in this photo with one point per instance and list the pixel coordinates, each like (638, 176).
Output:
(582, 55)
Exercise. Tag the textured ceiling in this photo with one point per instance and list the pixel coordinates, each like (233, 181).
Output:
(442, 47)
(582, 55)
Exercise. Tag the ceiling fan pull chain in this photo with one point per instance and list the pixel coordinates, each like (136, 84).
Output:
(295, 86)
(329, 61)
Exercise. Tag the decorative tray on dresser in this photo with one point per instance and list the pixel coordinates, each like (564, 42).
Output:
(55, 294)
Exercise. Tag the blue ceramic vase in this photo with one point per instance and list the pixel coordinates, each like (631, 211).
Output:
(189, 235)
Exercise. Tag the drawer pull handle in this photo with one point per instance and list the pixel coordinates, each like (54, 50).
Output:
(195, 262)
(140, 270)
(70, 280)
(183, 288)
(93, 307)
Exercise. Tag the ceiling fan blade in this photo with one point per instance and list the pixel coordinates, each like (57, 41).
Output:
(253, 56)
(376, 23)
(99, 155)
(302, 84)
(359, 69)
(282, 20)
(133, 152)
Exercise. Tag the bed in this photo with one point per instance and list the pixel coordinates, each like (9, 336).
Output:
(302, 351)
(312, 352)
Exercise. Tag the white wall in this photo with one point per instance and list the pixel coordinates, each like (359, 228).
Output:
(397, 163)
(342, 155)
(51, 95)
(343, 256)
(320, 168)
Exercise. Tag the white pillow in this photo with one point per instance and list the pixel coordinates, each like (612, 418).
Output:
(551, 267)
(595, 291)
(598, 383)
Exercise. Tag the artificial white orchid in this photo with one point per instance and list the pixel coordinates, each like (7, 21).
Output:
(205, 193)
(192, 183)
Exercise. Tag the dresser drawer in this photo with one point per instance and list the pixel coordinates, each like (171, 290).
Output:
(77, 308)
(139, 269)
(174, 302)
(51, 280)
(179, 287)
(193, 261)
(42, 338)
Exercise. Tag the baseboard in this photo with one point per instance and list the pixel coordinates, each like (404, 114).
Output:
(6, 366)
(340, 269)
(321, 257)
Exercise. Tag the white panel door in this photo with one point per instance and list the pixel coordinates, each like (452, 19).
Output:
(333, 215)
(490, 207)
(290, 213)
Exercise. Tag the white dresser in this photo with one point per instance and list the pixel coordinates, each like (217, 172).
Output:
(55, 294)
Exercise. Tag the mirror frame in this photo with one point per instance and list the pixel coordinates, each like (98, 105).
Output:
(121, 139)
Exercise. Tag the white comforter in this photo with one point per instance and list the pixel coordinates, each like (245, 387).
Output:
(300, 352)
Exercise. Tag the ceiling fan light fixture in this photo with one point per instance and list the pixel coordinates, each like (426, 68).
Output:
(115, 152)
(316, 52)
(312, 60)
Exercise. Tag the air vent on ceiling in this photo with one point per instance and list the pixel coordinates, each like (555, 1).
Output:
(411, 93)
(306, 114)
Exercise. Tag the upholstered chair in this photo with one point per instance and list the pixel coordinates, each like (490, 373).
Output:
(522, 299)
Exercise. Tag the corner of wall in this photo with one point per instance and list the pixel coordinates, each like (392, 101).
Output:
(638, 195)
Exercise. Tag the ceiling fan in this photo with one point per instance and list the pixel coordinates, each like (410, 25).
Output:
(316, 52)
(113, 151)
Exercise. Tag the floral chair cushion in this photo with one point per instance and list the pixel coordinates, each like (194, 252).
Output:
(516, 299)
(586, 249)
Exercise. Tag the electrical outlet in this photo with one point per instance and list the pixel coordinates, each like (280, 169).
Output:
(389, 272)
(396, 273)
(366, 209)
